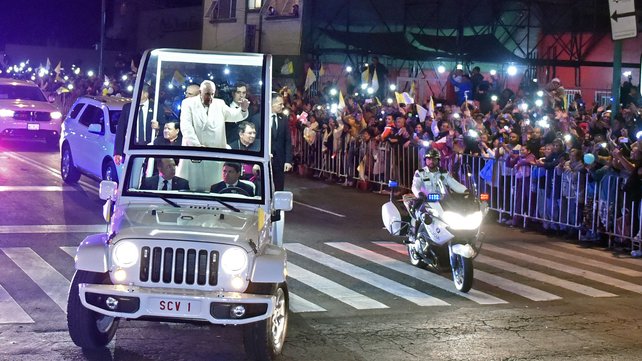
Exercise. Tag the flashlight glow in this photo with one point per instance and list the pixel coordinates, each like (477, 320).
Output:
(460, 67)
(393, 87)
(364, 86)
(512, 70)
(389, 100)
(540, 93)
(493, 98)
(226, 71)
(90, 73)
(333, 92)
(441, 69)
(348, 69)
(539, 102)
(493, 72)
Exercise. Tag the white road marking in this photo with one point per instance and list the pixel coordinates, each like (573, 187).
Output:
(54, 228)
(333, 289)
(320, 209)
(36, 189)
(593, 276)
(70, 250)
(601, 253)
(414, 272)
(581, 259)
(10, 311)
(497, 281)
(46, 277)
(299, 304)
(542, 277)
(366, 276)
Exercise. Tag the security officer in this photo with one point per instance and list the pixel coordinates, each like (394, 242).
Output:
(426, 179)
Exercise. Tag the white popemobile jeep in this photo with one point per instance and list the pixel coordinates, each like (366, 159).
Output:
(189, 250)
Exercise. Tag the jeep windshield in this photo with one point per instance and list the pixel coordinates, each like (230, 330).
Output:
(173, 178)
(216, 100)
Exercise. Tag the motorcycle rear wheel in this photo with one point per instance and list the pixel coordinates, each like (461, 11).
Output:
(415, 259)
(462, 269)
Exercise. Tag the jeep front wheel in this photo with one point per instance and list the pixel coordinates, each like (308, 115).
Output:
(264, 339)
(88, 329)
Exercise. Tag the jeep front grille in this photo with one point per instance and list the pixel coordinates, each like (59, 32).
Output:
(179, 266)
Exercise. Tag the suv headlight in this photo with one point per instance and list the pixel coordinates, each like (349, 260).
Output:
(125, 254)
(55, 115)
(6, 113)
(234, 260)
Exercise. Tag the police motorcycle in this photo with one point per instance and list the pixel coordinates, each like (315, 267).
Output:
(442, 230)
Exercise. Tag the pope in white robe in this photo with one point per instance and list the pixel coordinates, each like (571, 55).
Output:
(203, 125)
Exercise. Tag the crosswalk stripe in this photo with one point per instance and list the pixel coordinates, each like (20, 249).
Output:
(414, 272)
(593, 276)
(542, 277)
(46, 277)
(601, 253)
(10, 311)
(366, 276)
(299, 305)
(70, 250)
(497, 281)
(582, 260)
(333, 289)
(54, 228)
(523, 290)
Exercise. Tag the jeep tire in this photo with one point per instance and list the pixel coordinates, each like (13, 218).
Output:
(264, 339)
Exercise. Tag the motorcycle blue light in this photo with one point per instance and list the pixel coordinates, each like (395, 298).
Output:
(434, 197)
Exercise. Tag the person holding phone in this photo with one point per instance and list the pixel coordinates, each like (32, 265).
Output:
(505, 156)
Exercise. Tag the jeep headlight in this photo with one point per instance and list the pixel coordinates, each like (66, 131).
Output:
(458, 221)
(125, 254)
(234, 260)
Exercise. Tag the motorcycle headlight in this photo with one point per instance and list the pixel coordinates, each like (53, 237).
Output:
(234, 260)
(458, 222)
(125, 254)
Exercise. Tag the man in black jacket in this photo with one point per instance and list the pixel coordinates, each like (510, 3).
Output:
(281, 143)
(166, 178)
(231, 183)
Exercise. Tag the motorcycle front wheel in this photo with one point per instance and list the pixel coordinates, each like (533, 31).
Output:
(462, 269)
(415, 259)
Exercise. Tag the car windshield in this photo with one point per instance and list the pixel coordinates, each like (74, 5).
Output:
(216, 100)
(196, 178)
(22, 92)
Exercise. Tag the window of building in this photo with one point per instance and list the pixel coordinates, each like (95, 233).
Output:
(283, 8)
(254, 5)
(221, 10)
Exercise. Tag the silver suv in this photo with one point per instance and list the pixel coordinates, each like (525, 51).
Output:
(26, 113)
(87, 143)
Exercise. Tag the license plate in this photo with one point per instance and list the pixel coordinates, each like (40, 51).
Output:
(175, 307)
(33, 126)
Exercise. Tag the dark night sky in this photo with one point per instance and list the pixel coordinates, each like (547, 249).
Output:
(64, 23)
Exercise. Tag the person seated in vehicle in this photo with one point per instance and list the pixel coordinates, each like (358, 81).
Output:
(426, 180)
(231, 182)
(166, 178)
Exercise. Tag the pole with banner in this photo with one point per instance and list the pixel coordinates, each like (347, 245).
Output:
(623, 26)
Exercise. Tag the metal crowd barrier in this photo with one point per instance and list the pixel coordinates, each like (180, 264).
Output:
(558, 199)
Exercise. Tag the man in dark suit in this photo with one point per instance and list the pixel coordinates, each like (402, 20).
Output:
(171, 134)
(146, 127)
(231, 175)
(281, 142)
(166, 178)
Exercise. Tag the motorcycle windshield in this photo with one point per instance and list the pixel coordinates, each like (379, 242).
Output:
(460, 203)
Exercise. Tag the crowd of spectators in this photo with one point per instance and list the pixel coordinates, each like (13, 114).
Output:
(540, 155)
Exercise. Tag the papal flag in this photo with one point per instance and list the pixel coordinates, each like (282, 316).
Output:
(407, 99)
(321, 71)
(375, 82)
(133, 67)
(287, 68)
(399, 98)
(48, 65)
(422, 112)
(342, 102)
(365, 76)
(310, 78)
(58, 68)
(431, 107)
(178, 79)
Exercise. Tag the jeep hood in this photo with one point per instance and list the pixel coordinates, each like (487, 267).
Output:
(185, 224)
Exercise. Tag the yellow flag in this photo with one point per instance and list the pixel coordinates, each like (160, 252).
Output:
(58, 68)
(342, 102)
(413, 89)
(431, 107)
(399, 98)
(378, 101)
(178, 79)
(309, 79)
(365, 76)
(321, 71)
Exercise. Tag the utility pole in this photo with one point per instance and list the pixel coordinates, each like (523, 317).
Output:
(103, 18)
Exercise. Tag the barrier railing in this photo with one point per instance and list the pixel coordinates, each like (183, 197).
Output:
(569, 199)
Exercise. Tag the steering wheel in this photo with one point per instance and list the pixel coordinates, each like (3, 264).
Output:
(236, 190)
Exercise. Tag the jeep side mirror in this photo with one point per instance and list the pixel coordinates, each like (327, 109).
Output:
(283, 201)
(108, 190)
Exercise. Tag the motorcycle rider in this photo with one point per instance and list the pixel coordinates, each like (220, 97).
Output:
(426, 180)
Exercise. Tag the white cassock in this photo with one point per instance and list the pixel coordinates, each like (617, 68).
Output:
(202, 126)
